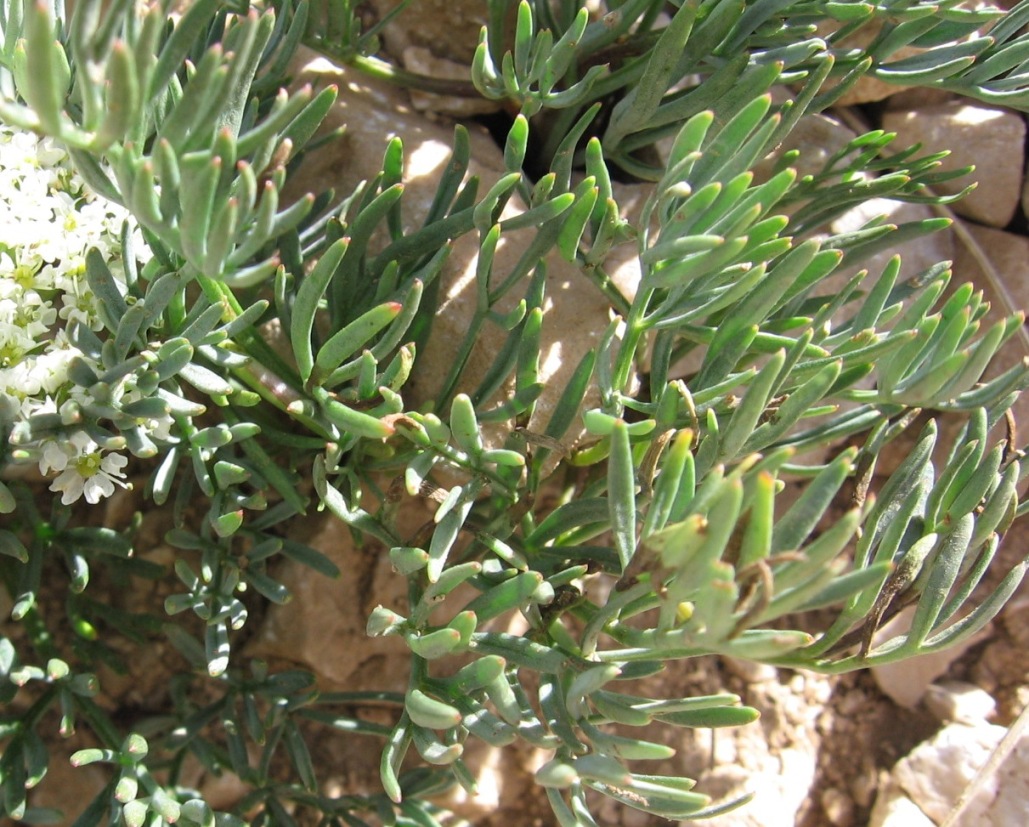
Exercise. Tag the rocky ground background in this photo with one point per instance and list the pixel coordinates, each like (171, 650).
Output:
(897, 747)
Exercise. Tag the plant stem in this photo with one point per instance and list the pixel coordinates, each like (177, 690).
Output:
(635, 327)
(384, 70)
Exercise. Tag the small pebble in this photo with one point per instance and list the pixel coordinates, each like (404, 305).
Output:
(838, 807)
(959, 701)
(750, 671)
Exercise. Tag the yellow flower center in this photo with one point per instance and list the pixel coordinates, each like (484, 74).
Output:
(88, 465)
(23, 276)
(10, 355)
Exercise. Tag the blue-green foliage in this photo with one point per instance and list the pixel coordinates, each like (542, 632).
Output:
(672, 502)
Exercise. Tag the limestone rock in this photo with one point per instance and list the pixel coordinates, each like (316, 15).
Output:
(1025, 190)
(779, 786)
(838, 807)
(222, 790)
(67, 788)
(450, 28)
(817, 138)
(623, 263)
(1007, 288)
(575, 316)
(936, 773)
(1012, 788)
(959, 701)
(750, 671)
(894, 809)
(986, 137)
(918, 96)
(422, 61)
(906, 681)
(868, 89)
(779, 770)
(323, 625)
(925, 786)
(373, 112)
(916, 254)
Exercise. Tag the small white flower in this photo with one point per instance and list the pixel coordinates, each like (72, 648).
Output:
(49, 219)
(53, 458)
(89, 473)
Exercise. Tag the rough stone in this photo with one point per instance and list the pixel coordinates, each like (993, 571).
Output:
(1012, 788)
(817, 138)
(936, 774)
(989, 138)
(323, 625)
(623, 262)
(751, 671)
(774, 759)
(221, 790)
(838, 807)
(1008, 254)
(780, 786)
(916, 254)
(224, 791)
(906, 681)
(959, 701)
(918, 96)
(1025, 190)
(998, 263)
(423, 62)
(450, 28)
(868, 89)
(575, 316)
(925, 786)
(894, 809)
(67, 788)
(373, 112)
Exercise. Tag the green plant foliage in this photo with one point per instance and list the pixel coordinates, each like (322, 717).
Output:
(672, 509)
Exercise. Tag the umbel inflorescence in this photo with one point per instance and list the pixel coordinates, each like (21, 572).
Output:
(49, 220)
(162, 298)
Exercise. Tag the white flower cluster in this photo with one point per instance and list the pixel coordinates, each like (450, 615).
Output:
(49, 219)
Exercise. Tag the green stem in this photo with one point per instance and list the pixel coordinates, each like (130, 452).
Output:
(30, 719)
(99, 722)
(458, 459)
(218, 292)
(456, 369)
(379, 68)
(428, 238)
(557, 131)
(596, 625)
(383, 70)
(635, 327)
(39, 635)
(602, 281)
